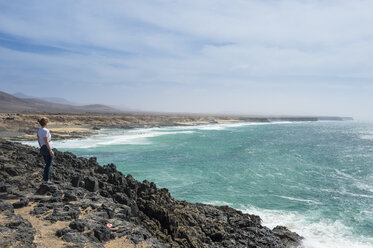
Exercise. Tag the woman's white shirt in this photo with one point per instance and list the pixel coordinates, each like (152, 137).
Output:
(44, 133)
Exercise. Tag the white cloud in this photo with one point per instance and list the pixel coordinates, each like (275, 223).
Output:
(216, 45)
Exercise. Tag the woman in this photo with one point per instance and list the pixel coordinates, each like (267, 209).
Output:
(46, 148)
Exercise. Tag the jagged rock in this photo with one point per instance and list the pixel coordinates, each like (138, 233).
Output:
(80, 225)
(102, 233)
(90, 197)
(286, 235)
(91, 184)
(107, 169)
(70, 196)
(46, 189)
(77, 181)
(3, 188)
(217, 237)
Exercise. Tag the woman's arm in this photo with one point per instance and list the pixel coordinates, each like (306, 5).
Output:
(49, 147)
(38, 140)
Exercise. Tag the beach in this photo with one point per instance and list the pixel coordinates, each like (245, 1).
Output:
(22, 126)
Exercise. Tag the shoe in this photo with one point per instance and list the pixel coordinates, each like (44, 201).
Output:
(47, 182)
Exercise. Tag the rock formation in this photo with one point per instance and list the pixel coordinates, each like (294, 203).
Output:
(97, 206)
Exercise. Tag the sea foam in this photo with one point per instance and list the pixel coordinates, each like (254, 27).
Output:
(140, 136)
(117, 137)
(322, 233)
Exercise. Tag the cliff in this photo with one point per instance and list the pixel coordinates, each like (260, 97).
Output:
(97, 206)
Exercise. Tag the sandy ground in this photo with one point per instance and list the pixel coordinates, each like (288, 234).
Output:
(45, 236)
(45, 230)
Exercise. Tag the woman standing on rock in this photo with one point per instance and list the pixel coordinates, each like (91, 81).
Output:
(46, 148)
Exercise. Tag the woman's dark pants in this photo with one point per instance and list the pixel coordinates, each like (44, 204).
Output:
(48, 164)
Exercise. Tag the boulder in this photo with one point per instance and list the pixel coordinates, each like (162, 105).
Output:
(21, 203)
(91, 184)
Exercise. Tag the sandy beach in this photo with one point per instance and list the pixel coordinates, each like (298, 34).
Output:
(63, 126)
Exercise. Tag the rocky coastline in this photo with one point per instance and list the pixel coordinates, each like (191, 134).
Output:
(97, 206)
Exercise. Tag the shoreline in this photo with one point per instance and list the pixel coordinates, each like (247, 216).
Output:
(23, 126)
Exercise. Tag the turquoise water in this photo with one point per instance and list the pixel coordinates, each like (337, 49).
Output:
(314, 177)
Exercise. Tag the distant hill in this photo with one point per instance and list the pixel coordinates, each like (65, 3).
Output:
(11, 103)
(48, 99)
(21, 95)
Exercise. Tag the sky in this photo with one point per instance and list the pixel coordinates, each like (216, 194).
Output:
(294, 57)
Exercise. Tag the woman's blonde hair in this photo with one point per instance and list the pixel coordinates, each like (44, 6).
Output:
(43, 121)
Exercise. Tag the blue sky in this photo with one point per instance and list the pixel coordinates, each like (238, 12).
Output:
(294, 57)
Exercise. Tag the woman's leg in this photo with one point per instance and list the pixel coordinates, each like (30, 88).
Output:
(48, 164)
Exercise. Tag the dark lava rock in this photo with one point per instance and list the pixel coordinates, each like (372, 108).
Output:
(21, 203)
(286, 235)
(14, 230)
(101, 204)
(46, 189)
(73, 236)
(217, 237)
(63, 213)
(91, 184)
(102, 233)
(70, 196)
(5, 206)
(76, 181)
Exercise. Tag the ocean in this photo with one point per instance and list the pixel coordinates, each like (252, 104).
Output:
(316, 178)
